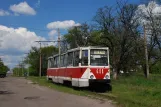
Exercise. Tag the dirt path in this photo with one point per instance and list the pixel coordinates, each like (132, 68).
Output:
(19, 92)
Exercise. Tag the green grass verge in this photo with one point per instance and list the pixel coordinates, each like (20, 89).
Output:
(82, 92)
(129, 91)
(137, 91)
(42, 81)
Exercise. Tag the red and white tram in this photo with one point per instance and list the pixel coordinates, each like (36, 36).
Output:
(81, 66)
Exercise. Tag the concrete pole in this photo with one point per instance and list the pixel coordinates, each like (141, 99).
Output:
(19, 70)
(22, 69)
(28, 67)
(146, 53)
(40, 61)
(59, 45)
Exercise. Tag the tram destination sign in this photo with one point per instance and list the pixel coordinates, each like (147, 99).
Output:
(100, 52)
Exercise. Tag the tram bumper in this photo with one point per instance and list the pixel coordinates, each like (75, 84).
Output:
(100, 85)
(99, 81)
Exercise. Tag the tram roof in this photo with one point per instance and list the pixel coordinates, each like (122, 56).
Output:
(80, 48)
(88, 47)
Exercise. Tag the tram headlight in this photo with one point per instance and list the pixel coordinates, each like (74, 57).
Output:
(91, 77)
(107, 77)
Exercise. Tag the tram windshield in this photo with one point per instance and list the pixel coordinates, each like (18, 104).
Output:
(98, 57)
(85, 58)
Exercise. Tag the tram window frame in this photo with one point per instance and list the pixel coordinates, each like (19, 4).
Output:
(70, 59)
(76, 58)
(98, 58)
(52, 62)
(65, 59)
(84, 58)
(62, 61)
(49, 63)
(55, 62)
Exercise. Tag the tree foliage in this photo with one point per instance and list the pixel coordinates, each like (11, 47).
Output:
(77, 36)
(3, 68)
(120, 34)
(119, 28)
(33, 61)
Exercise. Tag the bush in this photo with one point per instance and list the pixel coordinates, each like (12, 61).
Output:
(3, 72)
(156, 69)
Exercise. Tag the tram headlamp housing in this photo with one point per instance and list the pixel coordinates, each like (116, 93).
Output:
(91, 77)
(106, 77)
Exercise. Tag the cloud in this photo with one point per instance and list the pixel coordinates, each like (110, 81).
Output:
(12, 61)
(37, 5)
(16, 42)
(152, 7)
(52, 34)
(62, 24)
(143, 11)
(22, 8)
(4, 13)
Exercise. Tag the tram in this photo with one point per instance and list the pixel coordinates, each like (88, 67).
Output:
(82, 67)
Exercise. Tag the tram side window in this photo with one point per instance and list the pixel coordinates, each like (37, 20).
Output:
(76, 58)
(62, 61)
(84, 57)
(70, 59)
(65, 60)
(55, 62)
(49, 63)
(52, 62)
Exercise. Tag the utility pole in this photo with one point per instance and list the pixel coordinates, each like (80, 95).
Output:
(28, 72)
(59, 44)
(40, 54)
(22, 67)
(146, 53)
(50, 41)
(39, 59)
(19, 69)
(16, 72)
(28, 67)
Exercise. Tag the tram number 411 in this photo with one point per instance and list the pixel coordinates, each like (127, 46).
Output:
(99, 71)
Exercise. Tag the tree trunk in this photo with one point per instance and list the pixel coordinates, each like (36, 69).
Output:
(115, 73)
(144, 70)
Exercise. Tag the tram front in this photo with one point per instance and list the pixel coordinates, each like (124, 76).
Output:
(95, 62)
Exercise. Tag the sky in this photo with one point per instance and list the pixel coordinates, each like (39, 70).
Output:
(23, 22)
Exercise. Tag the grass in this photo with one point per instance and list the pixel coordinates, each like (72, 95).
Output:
(129, 91)
(137, 91)
(43, 82)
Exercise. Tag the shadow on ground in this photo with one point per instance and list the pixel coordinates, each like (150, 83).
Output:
(94, 88)
(5, 92)
(98, 89)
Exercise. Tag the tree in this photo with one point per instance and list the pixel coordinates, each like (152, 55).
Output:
(150, 17)
(34, 57)
(119, 31)
(77, 36)
(3, 68)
